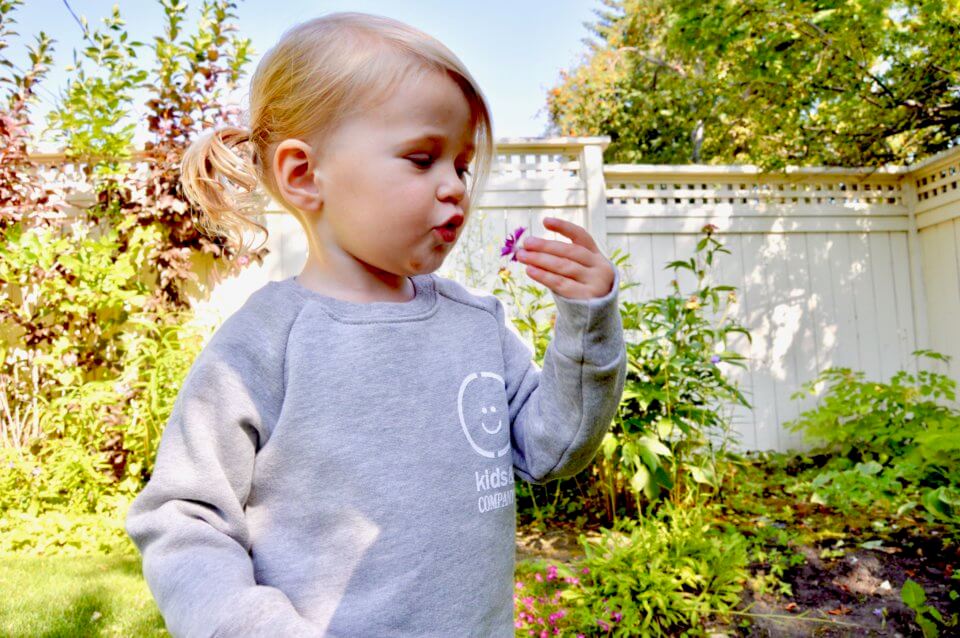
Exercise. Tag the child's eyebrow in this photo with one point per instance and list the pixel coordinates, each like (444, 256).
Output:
(429, 137)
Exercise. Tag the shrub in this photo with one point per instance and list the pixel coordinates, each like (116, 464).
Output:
(665, 573)
(884, 439)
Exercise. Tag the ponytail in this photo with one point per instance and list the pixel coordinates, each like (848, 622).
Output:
(221, 184)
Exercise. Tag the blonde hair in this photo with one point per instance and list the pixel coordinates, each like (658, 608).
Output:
(320, 73)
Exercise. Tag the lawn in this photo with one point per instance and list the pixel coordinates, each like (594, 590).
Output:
(70, 597)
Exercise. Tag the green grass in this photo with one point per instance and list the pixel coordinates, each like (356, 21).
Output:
(50, 597)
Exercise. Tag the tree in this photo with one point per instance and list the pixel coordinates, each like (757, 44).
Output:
(767, 82)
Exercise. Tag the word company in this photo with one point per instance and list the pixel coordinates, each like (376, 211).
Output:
(492, 480)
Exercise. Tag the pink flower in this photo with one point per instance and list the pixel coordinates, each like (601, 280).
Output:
(519, 585)
(551, 572)
(538, 577)
(512, 244)
(604, 626)
(585, 570)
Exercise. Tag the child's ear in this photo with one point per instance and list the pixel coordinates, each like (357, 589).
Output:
(293, 172)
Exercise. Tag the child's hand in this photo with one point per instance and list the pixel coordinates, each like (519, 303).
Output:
(575, 271)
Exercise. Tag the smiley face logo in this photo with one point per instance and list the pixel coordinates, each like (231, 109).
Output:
(490, 419)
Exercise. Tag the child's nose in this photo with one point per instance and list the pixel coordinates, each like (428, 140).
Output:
(452, 184)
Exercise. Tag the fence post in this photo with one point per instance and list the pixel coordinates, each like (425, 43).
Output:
(591, 168)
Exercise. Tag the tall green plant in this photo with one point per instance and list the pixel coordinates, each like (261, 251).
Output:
(671, 422)
(529, 303)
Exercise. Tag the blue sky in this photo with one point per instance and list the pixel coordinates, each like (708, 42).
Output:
(515, 50)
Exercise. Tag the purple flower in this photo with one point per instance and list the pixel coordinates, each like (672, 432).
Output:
(878, 612)
(714, 358)
(512, 244)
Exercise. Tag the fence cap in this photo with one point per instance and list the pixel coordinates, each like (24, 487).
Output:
(553, 142)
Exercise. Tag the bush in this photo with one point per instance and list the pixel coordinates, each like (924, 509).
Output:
(669, 572)
(888, 442)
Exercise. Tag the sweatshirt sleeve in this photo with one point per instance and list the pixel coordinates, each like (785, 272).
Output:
(188, 522)
(560, 414)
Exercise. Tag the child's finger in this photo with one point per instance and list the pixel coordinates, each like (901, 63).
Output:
(577, 234)
(563, 286)
(552, 263)
(574, 252)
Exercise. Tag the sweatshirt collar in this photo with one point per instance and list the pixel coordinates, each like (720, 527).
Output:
(422, 305)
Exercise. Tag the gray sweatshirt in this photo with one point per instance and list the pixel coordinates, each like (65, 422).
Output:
(341, 469)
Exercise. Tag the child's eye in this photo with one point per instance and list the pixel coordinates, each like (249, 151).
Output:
(424, 162)
(419, 161)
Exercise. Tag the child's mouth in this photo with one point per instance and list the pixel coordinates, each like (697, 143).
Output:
(446, 233)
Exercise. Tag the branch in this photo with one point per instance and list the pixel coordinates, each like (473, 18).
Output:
(825, 37)
(80, 22)
(654, 60)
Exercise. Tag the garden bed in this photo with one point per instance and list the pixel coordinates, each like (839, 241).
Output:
(843, 593)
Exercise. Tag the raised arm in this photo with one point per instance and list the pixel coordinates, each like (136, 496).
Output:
(560, 414)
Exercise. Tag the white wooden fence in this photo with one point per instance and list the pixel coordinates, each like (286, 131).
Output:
(834, 267)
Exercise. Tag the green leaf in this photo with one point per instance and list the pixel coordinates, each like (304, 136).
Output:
(655, 446)
(822, 15)
(640, 478)
(912, 594)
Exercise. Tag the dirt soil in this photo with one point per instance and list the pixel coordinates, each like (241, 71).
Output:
(843, 594)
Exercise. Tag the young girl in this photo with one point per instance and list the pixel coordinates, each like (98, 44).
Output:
(340, 459)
